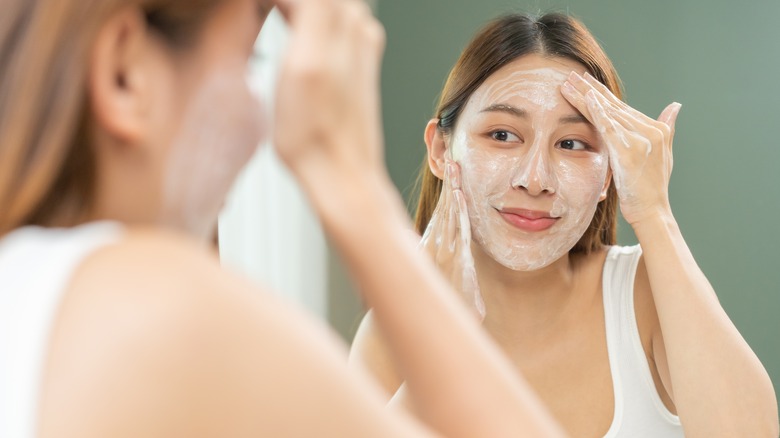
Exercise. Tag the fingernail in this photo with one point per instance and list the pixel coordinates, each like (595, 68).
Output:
(568, 87)
(574, 77)
(589, 76)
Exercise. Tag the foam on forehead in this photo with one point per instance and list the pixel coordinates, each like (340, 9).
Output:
(539, 86)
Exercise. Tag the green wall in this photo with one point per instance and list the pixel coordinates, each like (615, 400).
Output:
(720, 59)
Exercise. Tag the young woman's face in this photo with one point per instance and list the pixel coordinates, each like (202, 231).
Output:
(533, 170)
(221, 122)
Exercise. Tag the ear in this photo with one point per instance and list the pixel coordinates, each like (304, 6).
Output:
(118, 78)
(434, 140)
(607, 181)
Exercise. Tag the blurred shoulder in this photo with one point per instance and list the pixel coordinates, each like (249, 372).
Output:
(154, 337)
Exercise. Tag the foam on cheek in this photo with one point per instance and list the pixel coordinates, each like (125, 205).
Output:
(220, 130)
(581, 188)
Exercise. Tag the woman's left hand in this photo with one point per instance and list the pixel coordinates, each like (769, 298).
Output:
(640, 148)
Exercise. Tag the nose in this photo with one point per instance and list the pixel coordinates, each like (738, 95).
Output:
(535, 172)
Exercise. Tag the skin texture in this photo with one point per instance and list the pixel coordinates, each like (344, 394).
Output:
(154, 338)
(550, 321)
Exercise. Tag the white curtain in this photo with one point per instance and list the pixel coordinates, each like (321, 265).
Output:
(267, 230)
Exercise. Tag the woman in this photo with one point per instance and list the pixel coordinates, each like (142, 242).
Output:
(123, 125)
(617, 341)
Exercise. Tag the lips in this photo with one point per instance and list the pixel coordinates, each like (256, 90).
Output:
(528, 220)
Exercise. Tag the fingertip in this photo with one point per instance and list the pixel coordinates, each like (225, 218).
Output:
(669, 114)
(677, 108)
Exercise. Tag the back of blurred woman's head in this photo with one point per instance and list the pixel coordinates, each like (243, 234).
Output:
(47, 164)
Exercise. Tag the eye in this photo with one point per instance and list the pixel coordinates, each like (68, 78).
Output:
(504, 136)
(573, 145)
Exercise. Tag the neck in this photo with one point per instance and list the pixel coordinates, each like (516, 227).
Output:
(129, 190)
(519, 302)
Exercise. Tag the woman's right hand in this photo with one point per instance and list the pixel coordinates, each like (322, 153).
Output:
(447, 239)
(328, 122)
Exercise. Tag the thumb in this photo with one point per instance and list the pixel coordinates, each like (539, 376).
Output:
(669, 115)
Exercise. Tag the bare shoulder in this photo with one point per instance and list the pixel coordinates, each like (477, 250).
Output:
(154, 338)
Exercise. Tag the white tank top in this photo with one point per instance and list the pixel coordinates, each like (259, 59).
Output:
(639, 411)
(36, 265)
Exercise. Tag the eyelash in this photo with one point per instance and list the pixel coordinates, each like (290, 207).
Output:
(585, 146)
(492, 135)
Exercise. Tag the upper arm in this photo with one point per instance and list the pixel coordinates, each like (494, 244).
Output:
(164, 343)
(370, 352)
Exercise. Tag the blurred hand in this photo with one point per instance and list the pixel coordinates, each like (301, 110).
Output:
(327, 103)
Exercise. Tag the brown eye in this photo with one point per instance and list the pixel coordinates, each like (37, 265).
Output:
(573, 145)
(504, 136)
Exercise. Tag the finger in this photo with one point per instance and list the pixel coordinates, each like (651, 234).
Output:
(616, 113)
(610, 130)
(607, 93)
(434, 231)
(669, 115)
(454, 169)
(469, 283)
(577, 99)
(587, 82)
(453, 219)
(464, 225)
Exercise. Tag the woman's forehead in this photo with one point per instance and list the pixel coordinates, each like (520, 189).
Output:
(534, 89)
(527, 76)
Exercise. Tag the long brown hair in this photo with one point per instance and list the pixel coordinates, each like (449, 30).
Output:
(500, 42)
(47, 167)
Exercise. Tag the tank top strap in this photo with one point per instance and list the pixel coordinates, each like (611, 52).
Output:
(36, 266)
(639, 411)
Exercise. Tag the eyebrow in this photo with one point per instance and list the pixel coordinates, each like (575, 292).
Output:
(523, 114)
(572, 119)
(508, 109)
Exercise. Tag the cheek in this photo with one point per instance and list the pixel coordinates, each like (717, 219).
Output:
(486, 176)
(225, 124)
(220, 131)
(582, 183)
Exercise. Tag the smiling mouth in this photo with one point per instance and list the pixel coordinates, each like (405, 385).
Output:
(528, 220)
